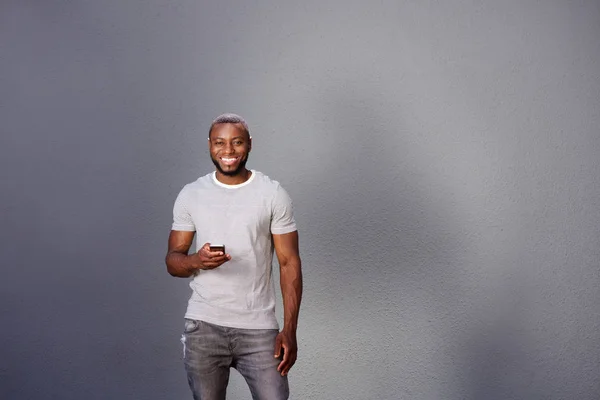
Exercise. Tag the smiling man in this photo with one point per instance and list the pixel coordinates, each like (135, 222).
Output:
(230, 319)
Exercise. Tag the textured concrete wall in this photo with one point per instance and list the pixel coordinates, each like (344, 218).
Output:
(443, 158)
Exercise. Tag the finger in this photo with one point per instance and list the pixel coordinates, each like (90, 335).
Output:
(290, 363)
(221, 262)
(221, 258)
(217, 254)
(212, 262)
(213, 259)
(208, 253)
(283, 365)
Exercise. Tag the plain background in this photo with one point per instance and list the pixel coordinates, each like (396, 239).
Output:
(443, 158)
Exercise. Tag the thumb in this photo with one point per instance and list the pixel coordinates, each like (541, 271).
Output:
(278, 346)
(205, 247)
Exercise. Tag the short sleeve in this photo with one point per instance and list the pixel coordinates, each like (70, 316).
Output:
(282, 220)
(182, 219)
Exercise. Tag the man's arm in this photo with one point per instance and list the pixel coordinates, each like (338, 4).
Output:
(286, 248)
(182, 265)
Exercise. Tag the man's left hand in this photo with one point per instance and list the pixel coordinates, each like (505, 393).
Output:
(286, 341)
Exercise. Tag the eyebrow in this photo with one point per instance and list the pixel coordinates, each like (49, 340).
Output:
(222, 138)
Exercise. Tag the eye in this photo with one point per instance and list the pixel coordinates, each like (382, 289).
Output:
(238, 143)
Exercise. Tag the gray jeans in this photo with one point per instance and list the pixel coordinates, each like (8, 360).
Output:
(209, 351)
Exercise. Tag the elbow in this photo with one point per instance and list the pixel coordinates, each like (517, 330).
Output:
(170, 268)
(174, 272)
(174, 266)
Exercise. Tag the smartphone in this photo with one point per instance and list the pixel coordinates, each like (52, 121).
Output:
(217, 247)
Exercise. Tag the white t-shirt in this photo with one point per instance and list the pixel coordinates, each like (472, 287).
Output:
(240, 293)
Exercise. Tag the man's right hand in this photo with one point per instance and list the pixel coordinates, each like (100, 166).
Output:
(184, 265)
(207, 259)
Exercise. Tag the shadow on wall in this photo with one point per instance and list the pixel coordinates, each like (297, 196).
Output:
(496, 356)
(381, 253)
(502, 355)
(396, 293)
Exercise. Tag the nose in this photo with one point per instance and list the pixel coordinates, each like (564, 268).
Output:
(228, 148)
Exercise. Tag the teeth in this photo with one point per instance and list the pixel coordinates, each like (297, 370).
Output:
(228, 161)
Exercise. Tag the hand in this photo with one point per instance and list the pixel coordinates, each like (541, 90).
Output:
(286, 341)
(210, 259)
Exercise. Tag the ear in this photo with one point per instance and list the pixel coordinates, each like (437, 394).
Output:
(249, 143)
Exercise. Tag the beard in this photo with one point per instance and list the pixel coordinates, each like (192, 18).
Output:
(235, 172)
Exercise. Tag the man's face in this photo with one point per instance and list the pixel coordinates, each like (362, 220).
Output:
(229, 146)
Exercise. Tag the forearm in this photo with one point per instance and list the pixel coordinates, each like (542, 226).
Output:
(181, 265)
(291, 291)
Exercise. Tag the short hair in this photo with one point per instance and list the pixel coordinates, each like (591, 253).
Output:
(229, 118)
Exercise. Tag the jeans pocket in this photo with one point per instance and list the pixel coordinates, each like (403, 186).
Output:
(190, 326)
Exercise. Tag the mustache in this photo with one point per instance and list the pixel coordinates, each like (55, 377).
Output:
(237, 171)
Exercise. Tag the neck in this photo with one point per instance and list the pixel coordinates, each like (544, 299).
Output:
(236, 179)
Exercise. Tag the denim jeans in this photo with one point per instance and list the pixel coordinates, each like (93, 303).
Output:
(209, 351)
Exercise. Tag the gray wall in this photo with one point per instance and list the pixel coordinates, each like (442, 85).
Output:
(444, 160)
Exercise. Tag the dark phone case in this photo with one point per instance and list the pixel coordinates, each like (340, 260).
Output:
(218, 248)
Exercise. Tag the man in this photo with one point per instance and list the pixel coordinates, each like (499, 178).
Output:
(230, 319)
